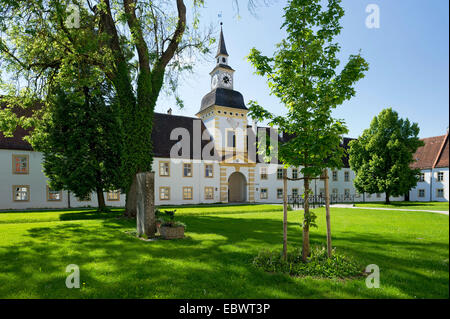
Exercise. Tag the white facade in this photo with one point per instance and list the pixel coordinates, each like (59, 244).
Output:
(254, 187)
(434, 186)
(35, 182)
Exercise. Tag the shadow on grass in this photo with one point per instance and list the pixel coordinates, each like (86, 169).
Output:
(92, 214)
(215, 262)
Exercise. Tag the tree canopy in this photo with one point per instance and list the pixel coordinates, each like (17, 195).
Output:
(382, 155)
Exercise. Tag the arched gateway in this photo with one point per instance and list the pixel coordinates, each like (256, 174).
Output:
(237, 188)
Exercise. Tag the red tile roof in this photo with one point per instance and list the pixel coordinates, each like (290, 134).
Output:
(443, 159)
(426, 156)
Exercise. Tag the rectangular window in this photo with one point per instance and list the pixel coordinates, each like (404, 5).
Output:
(347, 176)
(84, 199)
(421, 193)
(440, 192)
(209, 170)
(53, 195)
(187, 170)
(335, 193)
(20, 164)
(263, 193)
(294, 173)
(335, 176)
(187, 193)
(209, 192)
(279, 193)
(164, 193)
(422, 177)
(21, 193)
(164, 169)
(378, 195)
(347, 192)
(113, 196)
(231, 139)
(369, 195)
(263, 173)
(440, 176)
(279, 173)
(295, 192)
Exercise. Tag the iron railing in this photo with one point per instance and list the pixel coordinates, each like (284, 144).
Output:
(319, 200)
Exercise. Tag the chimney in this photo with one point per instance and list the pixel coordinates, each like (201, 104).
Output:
(169, 111)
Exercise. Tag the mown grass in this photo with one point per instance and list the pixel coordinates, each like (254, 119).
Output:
(214, 261)
(442, 206)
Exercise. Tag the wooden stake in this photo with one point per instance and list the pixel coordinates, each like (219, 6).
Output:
(327, 208)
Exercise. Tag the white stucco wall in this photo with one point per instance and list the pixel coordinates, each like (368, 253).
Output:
(176, 181)
(430, 185)
(37, 183)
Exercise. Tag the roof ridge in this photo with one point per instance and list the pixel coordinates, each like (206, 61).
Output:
(427, 138)
(185, 116)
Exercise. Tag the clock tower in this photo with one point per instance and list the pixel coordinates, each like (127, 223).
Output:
(222, 74)
(223, 110)
(224, 114)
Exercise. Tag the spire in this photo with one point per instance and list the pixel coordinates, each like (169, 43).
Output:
(222, 49)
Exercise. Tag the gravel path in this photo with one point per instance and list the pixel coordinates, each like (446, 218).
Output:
(384, 208)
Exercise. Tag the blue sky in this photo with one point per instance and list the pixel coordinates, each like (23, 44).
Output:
(408, 57)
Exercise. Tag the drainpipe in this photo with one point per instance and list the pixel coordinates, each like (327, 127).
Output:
(431, 185)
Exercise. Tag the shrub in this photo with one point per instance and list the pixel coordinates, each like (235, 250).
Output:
(167, 218)
(318, 265)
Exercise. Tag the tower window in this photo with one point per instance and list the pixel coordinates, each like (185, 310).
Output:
(231, 139)
(224, 60)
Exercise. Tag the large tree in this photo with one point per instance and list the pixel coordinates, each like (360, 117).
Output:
(303, 74)
(382, 155)
(80, 139)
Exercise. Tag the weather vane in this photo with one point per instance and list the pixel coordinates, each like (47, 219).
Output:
(219, 15)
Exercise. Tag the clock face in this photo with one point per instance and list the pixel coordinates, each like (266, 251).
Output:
(226, 80)
(215, 81)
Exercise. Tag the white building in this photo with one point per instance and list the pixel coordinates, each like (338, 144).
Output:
(432, 159)
(221, 127)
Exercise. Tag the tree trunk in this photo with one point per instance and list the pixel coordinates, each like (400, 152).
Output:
(306, 248)
(131, 200)
(388, 200)
(327, 208)
(100, 199)
(284, 214)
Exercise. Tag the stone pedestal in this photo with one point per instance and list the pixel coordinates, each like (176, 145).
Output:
(145, 208)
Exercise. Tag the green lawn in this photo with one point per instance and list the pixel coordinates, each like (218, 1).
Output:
(214, 261)
(442, 206)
